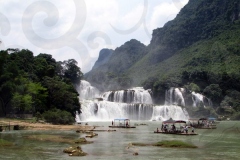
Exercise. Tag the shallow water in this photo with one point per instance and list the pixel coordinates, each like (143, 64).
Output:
(220, 143)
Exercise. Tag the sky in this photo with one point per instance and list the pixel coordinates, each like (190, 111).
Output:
(79, 29)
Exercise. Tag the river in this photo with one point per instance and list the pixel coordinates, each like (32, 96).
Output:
(220, 143)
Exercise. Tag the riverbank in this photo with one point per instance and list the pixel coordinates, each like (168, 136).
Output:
(29, 125)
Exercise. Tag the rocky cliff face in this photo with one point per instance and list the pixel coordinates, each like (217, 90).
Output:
(108, 71)
(103, 58)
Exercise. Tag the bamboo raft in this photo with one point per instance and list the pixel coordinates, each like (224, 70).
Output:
(177, 133)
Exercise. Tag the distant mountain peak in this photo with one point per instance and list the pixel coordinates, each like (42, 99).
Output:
(103, 57)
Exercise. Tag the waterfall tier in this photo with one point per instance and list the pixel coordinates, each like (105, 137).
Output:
(200, 100)
(86, 91)
(174, 96)
(179, 97)
(107, 111)
(135, 95)
(135, 104)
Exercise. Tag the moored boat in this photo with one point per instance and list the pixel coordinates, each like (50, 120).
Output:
(178, 127)
(121, 123)
(202, 123)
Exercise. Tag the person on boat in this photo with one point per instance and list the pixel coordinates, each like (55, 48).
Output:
(182, 129)
(162, 128)
(157, 130)
(165, 127)
(186, 129)
(192, 129)
(207, 124)
(112, 123)
(127, 123)
(173, 128)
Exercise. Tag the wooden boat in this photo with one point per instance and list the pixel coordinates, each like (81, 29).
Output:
(177, 133)
(121, 123)
(213, 120)
(202, 123)
(178, 127)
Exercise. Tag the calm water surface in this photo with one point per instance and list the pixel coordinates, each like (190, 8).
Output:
(220, 143)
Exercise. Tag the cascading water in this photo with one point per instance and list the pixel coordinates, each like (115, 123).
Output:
(175, 96)
(86, 91)
(77, 117)
(178, 96)
(105, 111)
(134, 95)
(162, 113)
(135, 104)
(200, 100)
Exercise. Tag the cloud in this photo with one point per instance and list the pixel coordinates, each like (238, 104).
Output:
(79, 29)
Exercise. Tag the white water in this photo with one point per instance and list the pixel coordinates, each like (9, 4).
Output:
(162, 113)
(77, 117)
(175, 96)
(135, 104)
(86, 91)
(134, 95)
(200, 100)
(105, 111)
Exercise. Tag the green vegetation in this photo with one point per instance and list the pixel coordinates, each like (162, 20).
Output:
(57, 138)
(38, 85)
(198, 50)
(4, 143)
(172, 144)
(175, 143)
(57, 116)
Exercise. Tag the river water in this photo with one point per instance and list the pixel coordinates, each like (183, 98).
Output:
(213, 144)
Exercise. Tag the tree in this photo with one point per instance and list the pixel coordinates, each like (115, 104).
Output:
(57, 116)
(21, 100)
(22, 103)
(39, 96)
(193, 87)
(7, 85)
(45, 65)
(61, 95)
(214, 92)
(72, 71)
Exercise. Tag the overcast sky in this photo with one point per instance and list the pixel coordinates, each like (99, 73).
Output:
(79, 29)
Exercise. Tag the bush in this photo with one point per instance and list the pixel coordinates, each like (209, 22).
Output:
(193, 87)
(236, 116)
(57, 116)
(214, 92)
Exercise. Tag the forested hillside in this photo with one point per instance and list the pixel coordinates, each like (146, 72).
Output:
(111, 74)
(198, 50)
(38, 85)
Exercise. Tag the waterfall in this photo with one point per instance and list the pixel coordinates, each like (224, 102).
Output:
(178, 96)
(86, 91)
(107, 111)
(162, 113)
(134, 95)
(134, 103)
(77, 117)
(200, 100)
(175, 96)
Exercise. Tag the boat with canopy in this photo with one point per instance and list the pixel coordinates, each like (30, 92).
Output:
(121, 123)
(178, 127)
(202, 123)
